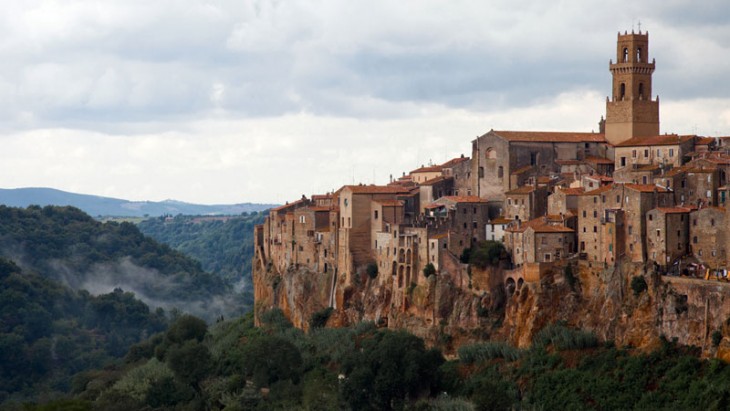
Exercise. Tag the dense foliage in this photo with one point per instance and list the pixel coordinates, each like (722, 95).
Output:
(49, 332)
(64, 244)
(235, 366)
(223, 246)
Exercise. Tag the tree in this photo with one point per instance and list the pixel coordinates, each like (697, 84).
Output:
(429, 270)
(486, 253)
(190, 362)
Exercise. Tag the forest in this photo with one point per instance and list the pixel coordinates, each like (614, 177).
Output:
(233, 365)
(224, 246)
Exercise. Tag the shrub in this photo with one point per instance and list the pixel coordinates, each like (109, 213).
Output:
(429, 270)
(372, 270)
(465, 256)
(475, 353)
(486, 253)
(319, 318)
(569, 276)
(638, 284)
(564, 338)
(716, 338)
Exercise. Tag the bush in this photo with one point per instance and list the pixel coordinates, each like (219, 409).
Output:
(564, 338)
(319, 318)
(372, 270)
(569, 276)
(465, 256)
(486, 253)
(476, 353)
(638, 284)
(429, 270)
(716, 338)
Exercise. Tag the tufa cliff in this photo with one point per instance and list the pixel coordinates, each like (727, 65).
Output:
(464, 304)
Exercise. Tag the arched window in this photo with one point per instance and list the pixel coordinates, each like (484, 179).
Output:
(626, 55)
(491, 153)
(622, 91)
(638, 55)
(641, 91)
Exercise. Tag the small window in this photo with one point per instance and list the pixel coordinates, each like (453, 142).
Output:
(595, 229)
(651, 217)
(595, 214)
(712, 222)
(658, 233)
(671, 152)
(584, 214)
(646, 153)
(376, 214)
(633, 153)
(623, 161)
(500, 172)
(543, 241)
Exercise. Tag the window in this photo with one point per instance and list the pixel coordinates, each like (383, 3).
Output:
(712, 222)
(630, 229)
(595, 200)
(641, 91)
(658, 233)
(543, 241)
(671, 152)
(302, 219)
(626, 55)
(618, 199)
(509, 201)
(633, 153)
(464, 225)
(584, 214)
(481, 172)
(595, 214)
(622, 92)
(475, 224)
(533, 159)
(651, 217)
(603, 199)
(658, 152)
(475, 210)
(679, 233)
(623, 161)
(646, 153)
(500, 171)
(376, 214)
(595, 229)
(547, 257)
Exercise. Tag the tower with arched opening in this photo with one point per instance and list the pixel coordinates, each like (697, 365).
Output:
(630, 111)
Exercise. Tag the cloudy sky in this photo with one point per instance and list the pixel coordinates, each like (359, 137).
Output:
(262, 101)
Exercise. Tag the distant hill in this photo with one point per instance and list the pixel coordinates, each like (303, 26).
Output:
(115, 207)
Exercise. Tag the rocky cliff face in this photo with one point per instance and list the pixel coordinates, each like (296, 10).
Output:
(466, 305)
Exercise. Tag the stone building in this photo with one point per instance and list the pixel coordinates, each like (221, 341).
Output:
(499, 155)
(460, 170)
(631, 112)
(708, 236)
(667, 237)
(537, 241)
(525, 203)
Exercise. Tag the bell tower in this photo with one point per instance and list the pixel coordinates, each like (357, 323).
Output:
(631, 112)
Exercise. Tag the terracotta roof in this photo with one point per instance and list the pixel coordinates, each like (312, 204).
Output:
(544, 179)
(500, 220)
(551, 136)
(647, 167)
(373, 189)
(703, 141)
(663, 140)
(319, 208)
(465, 199)
(521, 190)
(675, 171)
(673, 210)
(716, 208)
(454, 161)
(390, 203)
(428, 169)
(573, 191)
(599, 190)
(598, 160)
(436, 180)
(287, 206)
(321, 196)
(438, 236)
(540, 225)
(646, 188)
(600, 177)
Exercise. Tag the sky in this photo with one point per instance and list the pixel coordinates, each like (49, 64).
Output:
(262, 101)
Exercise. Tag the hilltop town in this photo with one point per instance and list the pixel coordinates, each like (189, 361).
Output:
(629, 193)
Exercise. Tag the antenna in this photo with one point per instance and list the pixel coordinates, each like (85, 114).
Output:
(639, 26)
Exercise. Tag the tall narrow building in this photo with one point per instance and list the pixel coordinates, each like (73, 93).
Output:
(631, 112)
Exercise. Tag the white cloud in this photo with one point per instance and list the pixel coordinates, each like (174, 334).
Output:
(265, 100)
